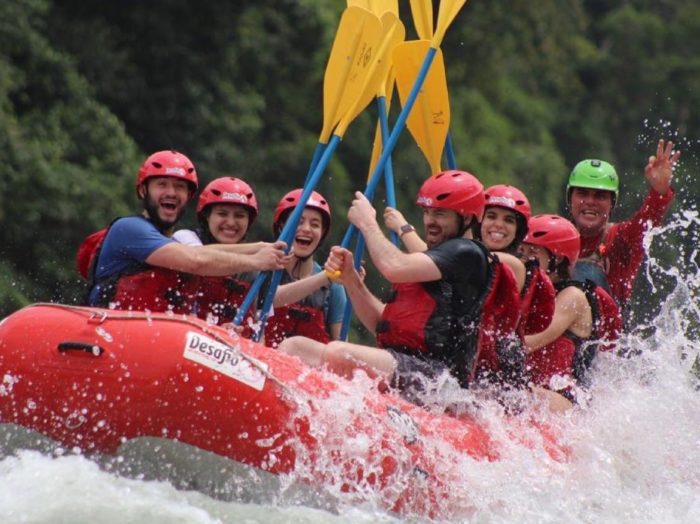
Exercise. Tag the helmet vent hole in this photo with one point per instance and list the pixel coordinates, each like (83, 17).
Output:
(216, 192)
(538, 234)
(157, 165)
(442, 196)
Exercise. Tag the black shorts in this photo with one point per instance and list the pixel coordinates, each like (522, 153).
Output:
(415, 377)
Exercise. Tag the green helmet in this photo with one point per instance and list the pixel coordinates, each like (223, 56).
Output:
(594, 174)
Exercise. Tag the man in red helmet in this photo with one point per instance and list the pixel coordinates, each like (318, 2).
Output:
(431, 325)
(135, 264)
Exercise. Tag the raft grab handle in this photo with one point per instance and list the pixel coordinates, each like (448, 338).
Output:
(87, 347)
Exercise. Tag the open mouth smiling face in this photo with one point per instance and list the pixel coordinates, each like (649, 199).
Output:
(309, 233)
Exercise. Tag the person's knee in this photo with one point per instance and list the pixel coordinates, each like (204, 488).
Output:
(292, 346)
(335, 352)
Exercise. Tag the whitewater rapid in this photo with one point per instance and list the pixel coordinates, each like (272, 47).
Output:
(634, 446)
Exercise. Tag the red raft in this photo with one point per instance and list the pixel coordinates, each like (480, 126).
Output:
(94, 379)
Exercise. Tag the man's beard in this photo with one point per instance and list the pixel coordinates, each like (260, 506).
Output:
(152, 209)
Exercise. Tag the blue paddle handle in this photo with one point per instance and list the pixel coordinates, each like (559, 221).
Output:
(318, 153)
(389, 169)
(450, 151)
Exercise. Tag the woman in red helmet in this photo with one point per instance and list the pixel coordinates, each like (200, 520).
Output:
(503, 229)
(586, 319)
(315, 310)
(226, 209)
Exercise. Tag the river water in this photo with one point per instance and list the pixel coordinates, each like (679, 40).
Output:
(634, 447)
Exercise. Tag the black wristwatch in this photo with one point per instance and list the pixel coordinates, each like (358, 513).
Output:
(406, 228)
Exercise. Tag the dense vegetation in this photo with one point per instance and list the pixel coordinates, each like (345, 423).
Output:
(88, 88)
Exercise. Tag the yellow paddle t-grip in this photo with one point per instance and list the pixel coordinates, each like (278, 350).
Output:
(334, 276)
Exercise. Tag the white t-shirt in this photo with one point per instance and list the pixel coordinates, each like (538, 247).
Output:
(187, 237)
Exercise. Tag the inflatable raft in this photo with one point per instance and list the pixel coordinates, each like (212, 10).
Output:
(94, 379)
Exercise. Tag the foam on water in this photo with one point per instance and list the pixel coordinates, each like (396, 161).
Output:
(634, 445)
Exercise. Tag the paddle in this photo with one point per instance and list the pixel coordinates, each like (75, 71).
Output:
(390, 22)
(336, 94)
(448, 11)
(422, 12)
(378, 7)
(363, 82)
(429, 121)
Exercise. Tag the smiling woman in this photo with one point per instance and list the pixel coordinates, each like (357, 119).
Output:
(226, 209)
(318, 312)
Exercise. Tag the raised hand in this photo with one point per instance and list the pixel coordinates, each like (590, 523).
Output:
(340, 266)
(659, 168)
(361, 213)
(272, 257)
(393, 219)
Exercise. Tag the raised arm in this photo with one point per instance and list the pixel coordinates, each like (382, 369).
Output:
(367, 307)
(395, 221)
(212, 261)
(394, 265)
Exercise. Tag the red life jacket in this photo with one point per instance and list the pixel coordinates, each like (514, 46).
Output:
(501, 356)
(536, 300)
(596, 265)
(305, 318)
(420, 320)
(153, 289)
(219, 298)
(143, 288)
(296, 319)
(570, 355)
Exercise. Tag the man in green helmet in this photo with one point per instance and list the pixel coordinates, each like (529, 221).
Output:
(611, 254)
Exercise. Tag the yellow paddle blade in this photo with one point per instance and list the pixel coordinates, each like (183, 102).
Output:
(372, 69)
(422, 12)
(429, 120)
(348, 42)
(392, 29)
(378, 7)
(447, 13)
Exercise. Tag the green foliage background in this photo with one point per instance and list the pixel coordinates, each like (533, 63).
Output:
(89, 88)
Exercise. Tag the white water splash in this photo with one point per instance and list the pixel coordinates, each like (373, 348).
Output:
(635, 446)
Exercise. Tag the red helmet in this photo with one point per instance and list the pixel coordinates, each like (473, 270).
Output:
(290, 201)
(168, 163)
(228, 190)
(508, 197)
(456, 190)
(556, 234)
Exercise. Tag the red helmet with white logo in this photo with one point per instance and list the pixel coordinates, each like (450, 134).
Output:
(508, 197)
(289, 201)
(170, 164)
(456, 190)
(228, 190)
(555, 234)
